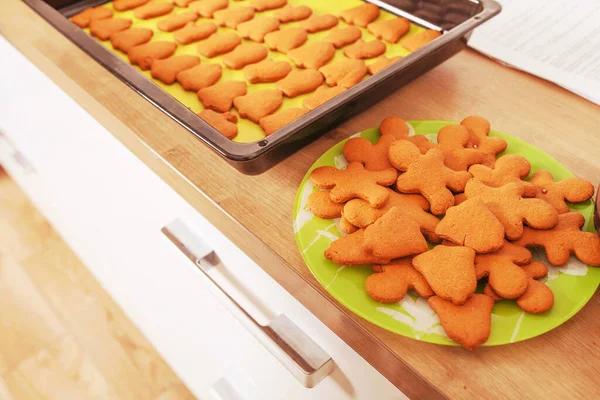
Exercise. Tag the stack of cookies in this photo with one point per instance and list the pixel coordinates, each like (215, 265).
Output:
(288, 50)
(439, 218)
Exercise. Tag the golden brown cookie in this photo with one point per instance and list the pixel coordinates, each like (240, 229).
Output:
(350, 250)
(373, 156)
(104, 28)
(200, 77)
(129, 38)
(355, 182)
(267, 71)
(505, 276)
(232, 17)
(390, 30)
(166, 70)
(300, 81)
(84, 18)
(363, 50)
(265, 5)
(398, 127)
(219, 43)
(511, 209)
(564, 240)
(321, 205)
(153, 10)
(508, 168)
(381, 63)
(479, 130)
(193, 33)
(312, 55)
(538, 298)
(318, 23)
(145, 54)
(419, 40)
(292, 13)
(390, 282)
(469, 324)
(450, 271)
(272, 123)
(177, 21)
(321, 96)
(341, 37)
(259, 104)
(473, 225)
(286, 39)
(573, 190)
(124, 5)
(453, 140)
(207, 8)
(346, 72)
(245, 54)
(426, 174)
(361, 15)
(257, 28)
(220, 97)
(224, 123)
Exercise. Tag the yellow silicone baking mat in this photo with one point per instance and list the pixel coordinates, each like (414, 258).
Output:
(247, 130)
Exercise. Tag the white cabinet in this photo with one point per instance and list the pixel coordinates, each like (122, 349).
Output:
(111, 208)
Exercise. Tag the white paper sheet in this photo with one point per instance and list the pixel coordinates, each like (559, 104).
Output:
(558, 40)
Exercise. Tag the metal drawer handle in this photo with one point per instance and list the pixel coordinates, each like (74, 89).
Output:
(308, 362)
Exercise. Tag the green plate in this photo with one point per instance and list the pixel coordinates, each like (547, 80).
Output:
(573, 285)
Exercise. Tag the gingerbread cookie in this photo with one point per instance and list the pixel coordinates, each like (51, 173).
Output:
(312, 55)
(361, 15)
(88, 15)
(274, 122)
(505, 276)
(394, 235)
(220, 97)
(363, 50)
(426, 174)
(419, 40)
(177, 21)
(397, 127)
(538, 298)
(224, 123)
(350, 251)
(508, 168)
(200, 77)
(292, 13)
(450, 271)
(125, 5)
(153, 10)
(300, 82)
(193, 33)
(207, 8)
(373, 156)
(219, 43)
(104, 28)
(564, 240)
(129, 38)
(286, 39)
(318, 23)
(265, 5)
(267, 71)
(452, 140)
(145, 54)
(359, 212)
(473, 225)
(245, 54)
(257, 28)
(390, 282)
(166, 70)
(355, 182)
(321, 205)
(573, 190)
(469, 324)
(341, 37)
(321, 96)
(390, 30)
(257, 105)
(346, 226)
(511, 209)
(381, 63)
(479, 130)
(346, 72)
(232, 17)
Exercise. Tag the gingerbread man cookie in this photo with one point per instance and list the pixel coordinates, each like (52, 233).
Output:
(300, 82)
(506, 277)
(220, 97)
(573, 190)
(479, 130)
(452, 140)
(373, 156)
(286, 39)
(508, 168)
(345, 72)
(390, 282)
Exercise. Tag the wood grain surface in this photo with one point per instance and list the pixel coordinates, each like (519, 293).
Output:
(255, 212)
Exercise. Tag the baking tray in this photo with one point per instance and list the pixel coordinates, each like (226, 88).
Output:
(455, 18)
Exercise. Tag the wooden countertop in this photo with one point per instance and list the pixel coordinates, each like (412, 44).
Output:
(255, 212)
